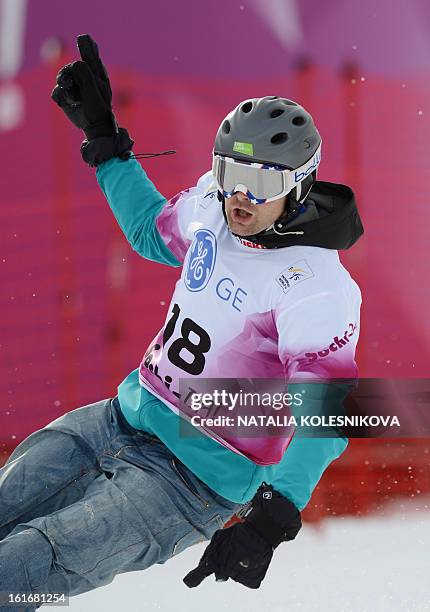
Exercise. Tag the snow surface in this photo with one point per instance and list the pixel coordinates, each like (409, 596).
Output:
(370, 564)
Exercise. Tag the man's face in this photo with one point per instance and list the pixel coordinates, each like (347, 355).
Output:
(259, 217)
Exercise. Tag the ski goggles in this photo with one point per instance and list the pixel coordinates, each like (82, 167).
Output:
(260, 183)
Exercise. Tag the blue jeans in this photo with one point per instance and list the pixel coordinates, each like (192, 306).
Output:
(88, 497)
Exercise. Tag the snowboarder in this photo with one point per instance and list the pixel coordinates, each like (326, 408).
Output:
(118, 485)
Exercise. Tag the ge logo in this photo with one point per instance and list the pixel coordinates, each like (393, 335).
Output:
(267, 495)
(201, 261)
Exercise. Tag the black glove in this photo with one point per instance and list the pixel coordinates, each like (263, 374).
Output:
(243, 552)
(84, 93)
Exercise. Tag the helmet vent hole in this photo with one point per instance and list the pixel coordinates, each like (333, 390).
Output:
(299, 120)
(279, 138)
(289, 102)
(276, 112)
(226, 127)
(247, 107)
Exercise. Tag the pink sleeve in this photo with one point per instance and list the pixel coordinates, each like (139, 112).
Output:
(175, 221)
(318, 336)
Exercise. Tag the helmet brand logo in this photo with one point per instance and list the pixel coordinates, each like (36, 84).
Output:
(243, 147)
(308, 169)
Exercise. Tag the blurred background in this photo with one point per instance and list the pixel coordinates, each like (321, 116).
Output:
(78, 306)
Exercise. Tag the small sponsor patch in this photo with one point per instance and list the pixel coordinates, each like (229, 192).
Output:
(250, 244)
(201, 260)
(294, 274)
(243, 147)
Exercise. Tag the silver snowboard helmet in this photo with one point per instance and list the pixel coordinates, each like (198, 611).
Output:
(267, 148)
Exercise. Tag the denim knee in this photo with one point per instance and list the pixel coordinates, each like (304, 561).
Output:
(25, 560)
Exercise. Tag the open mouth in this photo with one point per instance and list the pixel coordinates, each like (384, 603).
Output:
(241, 216)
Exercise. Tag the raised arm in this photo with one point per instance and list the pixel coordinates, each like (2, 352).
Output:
(136, 204)
(157, 229)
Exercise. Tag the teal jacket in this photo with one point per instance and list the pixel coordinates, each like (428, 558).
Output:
(136, 203)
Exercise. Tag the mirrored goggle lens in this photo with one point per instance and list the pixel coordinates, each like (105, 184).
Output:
(262, 183)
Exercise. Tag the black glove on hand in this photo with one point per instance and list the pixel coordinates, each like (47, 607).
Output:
(243, 552)
(84, 93)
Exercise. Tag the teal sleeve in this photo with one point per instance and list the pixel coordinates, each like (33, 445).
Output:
(303, 464)
(136, 203)
(312, 449)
